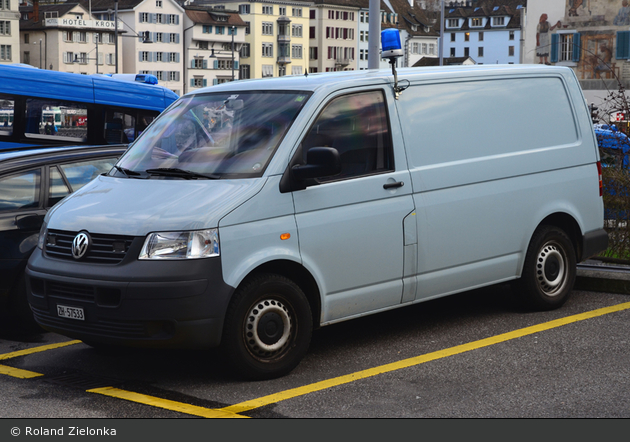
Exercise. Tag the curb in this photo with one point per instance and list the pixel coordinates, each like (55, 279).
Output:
(609, 281)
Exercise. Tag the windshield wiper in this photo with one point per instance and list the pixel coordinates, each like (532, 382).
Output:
(180, 173)
(127, 172)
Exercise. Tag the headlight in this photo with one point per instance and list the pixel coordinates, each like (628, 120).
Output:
(181, 245)
(42, 236)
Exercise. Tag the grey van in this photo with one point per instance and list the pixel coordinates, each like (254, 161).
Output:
(250, 213)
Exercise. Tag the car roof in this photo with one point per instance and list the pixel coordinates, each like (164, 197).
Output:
(27, 157)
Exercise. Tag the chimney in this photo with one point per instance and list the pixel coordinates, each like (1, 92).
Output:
(36, 11)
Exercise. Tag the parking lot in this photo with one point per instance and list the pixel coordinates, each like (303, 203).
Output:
(473, 355)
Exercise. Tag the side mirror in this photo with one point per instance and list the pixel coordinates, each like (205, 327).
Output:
(320, 162)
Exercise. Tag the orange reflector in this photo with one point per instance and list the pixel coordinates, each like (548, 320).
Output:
(285, 236)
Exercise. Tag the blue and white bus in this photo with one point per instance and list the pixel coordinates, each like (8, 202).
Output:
(50, 108)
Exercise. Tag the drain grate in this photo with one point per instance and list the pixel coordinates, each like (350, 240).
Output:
(82, 381)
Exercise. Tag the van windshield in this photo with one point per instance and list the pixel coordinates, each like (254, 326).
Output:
(216, 135)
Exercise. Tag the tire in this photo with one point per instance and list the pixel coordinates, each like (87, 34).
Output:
(268, 327)
(548, 271)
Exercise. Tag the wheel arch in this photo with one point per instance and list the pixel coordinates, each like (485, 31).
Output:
(570, 226)
(300, 276)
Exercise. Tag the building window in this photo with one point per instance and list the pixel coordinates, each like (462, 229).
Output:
(296, 30)
(312, 53)
(498, 21)
(466, 52)
(282, 10)
(481, 36)
(159, 37)
(267, 70)
(207, 29)
(282, 71)
(480, 51)
(245, 50)
(5, 4)
(467, 36)
(158, 18)
(243, 9)
(245, 71)
(296, 51)
(173, 76)
(452, 36)
(476, 21)
(268, 10)
(247, 28)
(453, 22)
(267, 28)
(159, 56)
(158, 3)
(26, 38)
(27, 57)
(173, 57)
(267, 49)
(173, 38)
(511, 35)
(144, 56)
(311, 14)
(144, 17)
(511, 51)
(452, 52)
(296, 12)
(5, 27)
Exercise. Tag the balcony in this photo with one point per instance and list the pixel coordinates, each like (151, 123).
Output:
(284, 59)
(342, 62)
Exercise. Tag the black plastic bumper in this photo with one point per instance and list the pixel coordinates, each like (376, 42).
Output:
(594, 242)
(164, 304)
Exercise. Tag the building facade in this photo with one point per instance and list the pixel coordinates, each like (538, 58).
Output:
(213, 41)
(64, 37)
(9, 31)
(487, 31)
(152, 32)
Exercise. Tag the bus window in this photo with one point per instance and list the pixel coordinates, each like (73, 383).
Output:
(7, 106)
(117, 127)
(64, 120)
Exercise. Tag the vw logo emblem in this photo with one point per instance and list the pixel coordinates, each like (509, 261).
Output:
(80, 245)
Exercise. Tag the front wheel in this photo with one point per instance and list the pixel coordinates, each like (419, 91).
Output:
(268, 327)
(549, 269)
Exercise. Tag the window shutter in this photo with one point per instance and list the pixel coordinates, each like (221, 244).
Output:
(623, 45)
(577, 47)
(216, 64)
(215, 82)
(177, 57)
(192, 82)
(192, 64)
(235, 64)
(555, 38)
(140, 56)
(205, 82)
(205, 64)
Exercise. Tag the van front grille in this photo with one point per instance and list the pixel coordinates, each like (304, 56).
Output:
(104, 249)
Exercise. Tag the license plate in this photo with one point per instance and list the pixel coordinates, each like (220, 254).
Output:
(70, 312)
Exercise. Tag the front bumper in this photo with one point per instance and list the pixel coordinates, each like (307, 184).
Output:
(163, 304)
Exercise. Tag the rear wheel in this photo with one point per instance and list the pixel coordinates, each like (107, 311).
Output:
(268, 327)
(549, 269)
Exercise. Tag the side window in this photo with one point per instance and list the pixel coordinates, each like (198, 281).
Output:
(56, 119)
(20, 191)
(7, 107)
(79, 174)
(357, 126)
(58, 187)
(119, 127)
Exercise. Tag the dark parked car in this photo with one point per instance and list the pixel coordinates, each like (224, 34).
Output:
(31, 182)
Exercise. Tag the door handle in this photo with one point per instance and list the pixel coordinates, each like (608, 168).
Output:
(393, 185)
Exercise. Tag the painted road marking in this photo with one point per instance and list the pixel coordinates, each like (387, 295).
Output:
(26, 374)
(233, 411)
(163, 403)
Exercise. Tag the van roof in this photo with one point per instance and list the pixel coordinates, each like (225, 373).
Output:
(312, 82)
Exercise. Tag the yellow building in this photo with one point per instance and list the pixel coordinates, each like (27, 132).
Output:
(276, 36)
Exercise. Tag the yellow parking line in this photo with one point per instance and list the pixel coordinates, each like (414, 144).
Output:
(328, 383)
(180, 407)
(29, 351)
(18, 372)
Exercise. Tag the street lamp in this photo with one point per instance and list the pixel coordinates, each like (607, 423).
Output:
(233, 29)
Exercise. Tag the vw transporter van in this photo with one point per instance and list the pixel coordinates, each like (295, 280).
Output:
(252, 212)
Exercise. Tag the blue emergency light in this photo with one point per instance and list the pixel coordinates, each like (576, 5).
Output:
(390, 44)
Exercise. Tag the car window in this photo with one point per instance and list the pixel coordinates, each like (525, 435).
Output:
(20, 191)
(80, 173)
(356, 125)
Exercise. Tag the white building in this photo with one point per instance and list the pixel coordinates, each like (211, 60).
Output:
(64, 37)
(9, 31)
(153, 37)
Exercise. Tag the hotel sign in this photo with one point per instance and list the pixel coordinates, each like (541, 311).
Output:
(80, 23)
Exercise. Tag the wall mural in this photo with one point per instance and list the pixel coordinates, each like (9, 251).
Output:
(597, 22)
